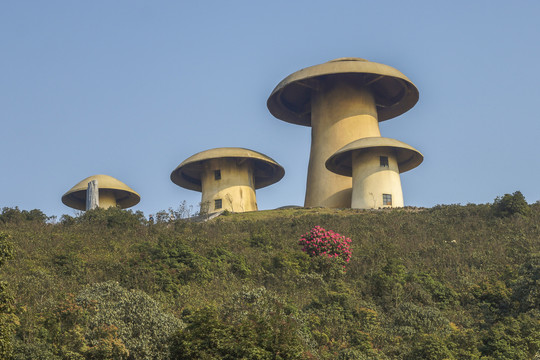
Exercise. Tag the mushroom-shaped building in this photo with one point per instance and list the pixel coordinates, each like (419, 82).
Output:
(342, 100)
(227, 177)
(112, 193)
(375, 164)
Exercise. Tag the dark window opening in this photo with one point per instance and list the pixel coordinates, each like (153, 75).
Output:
(218, 204)
(217, 174)
(387, 199)
(384, 161)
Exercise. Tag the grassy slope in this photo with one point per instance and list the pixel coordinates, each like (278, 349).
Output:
(472, 258)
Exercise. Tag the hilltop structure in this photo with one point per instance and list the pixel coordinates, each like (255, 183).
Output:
(350, 163)
(375, 164)
(343, 101)
(227, 177)
(110, 193)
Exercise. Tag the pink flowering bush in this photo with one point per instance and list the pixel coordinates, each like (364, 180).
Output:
(319, 242)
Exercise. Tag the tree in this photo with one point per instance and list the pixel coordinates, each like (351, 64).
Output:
(254, 325)
(138, 320)
(8, 320)
(511, 204)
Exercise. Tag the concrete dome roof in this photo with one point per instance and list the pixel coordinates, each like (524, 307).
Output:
(188, 174)
(125, 196)
(407, 157)
(394, 93)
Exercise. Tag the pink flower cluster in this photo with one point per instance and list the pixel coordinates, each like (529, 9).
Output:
(321, 242)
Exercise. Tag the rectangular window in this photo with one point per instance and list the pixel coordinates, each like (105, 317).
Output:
(217, 204)
(384, 161)
(387, 199)
(217, 174)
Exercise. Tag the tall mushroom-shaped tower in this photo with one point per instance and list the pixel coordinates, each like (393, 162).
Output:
(375, 164)
(227, 177)
(342, 100)
(112, 193)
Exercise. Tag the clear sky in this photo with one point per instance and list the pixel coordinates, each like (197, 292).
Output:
(132, 88)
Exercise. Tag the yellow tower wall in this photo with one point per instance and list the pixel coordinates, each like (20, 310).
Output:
(106, 198)
(371, 181)
(340, 113)
(236, 188)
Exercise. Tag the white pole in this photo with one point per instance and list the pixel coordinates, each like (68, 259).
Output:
(92, 195)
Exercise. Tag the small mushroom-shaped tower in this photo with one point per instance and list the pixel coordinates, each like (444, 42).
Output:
(227, 177)
(112, 193)
(342, 100)
(375, 164)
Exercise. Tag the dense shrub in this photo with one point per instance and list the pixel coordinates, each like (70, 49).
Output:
(112, 217)
(174, 263)
(429, 347)
(410, 319)
(6, 248)
(138, 320)
(255, 325)
(526, 289)
(14, 215)
(8, 320)
(388, 283)
(327, 247)
(337, 304)
(513, 338)
(34, 351)
(511, 204)
(105, 321)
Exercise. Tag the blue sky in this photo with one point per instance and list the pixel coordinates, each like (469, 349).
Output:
(159, 81)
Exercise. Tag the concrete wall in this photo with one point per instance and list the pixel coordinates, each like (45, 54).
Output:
(341, 112)
(236, 188)
(106, 199)
(371, 181)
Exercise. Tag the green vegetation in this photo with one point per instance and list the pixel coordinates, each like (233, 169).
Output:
(511, 204)
(8, 321)
(451, 282)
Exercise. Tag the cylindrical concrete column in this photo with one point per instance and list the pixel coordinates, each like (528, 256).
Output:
(340, 113)
(376, 181)
(228, 184)
(106, 198)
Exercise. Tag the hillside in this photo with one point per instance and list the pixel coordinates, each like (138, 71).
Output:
(450, 282)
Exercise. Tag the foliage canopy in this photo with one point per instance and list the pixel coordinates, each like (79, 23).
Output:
(450, 282)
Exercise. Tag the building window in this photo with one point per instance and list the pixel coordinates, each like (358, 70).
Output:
(387, 199)
(217, 174)
(218, 204)
(384, 161)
